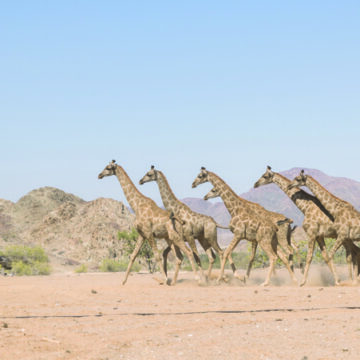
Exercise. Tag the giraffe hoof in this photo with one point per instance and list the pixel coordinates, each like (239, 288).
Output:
(160, 281)
(241, 277)
(264, 284)
(219, 280)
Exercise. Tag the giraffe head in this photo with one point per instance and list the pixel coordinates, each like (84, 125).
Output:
(299, 180)
(109, 170)
(213, 193)
(266, 178)
(201, 178)
(151, 175)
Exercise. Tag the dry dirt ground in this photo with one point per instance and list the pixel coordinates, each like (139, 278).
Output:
(92, 316)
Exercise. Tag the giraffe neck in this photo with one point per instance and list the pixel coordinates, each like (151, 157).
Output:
(169, 200)
(231, 200)
(132, 194)
(297, 195)
(303, 200)
(328, 200)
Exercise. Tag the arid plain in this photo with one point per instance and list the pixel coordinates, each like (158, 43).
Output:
(92, 316)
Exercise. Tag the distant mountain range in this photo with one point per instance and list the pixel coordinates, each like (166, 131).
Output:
(274, 199)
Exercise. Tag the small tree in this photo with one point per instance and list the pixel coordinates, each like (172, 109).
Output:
(129, 240)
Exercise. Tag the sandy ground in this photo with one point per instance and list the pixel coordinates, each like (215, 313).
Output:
(92, 316)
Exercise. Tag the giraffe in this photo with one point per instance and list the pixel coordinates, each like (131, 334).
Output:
(283, 233)
(246, 224)
(151, 223)
(318, 222)
(197, 226)
(214, 193)
(346, 218)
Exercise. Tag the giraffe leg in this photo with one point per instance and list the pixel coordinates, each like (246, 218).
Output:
(349, 260)
(272, 260)
(165, 255)
(158, 257)
(227, 252)
(254, 245)
(329, 262)
(209, 252)
(191, 241)
(283, 236)
(210, 239)
(355, 257)
(352, 260)
(309, 256)
(133, 256)
(284, 259)
(279, 253)
(339, 241)
(179, 259)
(232, 264)
(211, 257)
(354, 266)
(177, 238)
(357, 261)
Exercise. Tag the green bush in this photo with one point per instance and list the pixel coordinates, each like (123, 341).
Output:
(26, 254)
(81, 269)
(261, 259)
(27, 260)
(339, 258)
(36, 268)
(112, 265)
(129, 240)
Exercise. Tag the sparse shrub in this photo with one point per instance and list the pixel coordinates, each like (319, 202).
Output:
(81, 269)
(34, 268)
(241, 260)
(25, 254)
(339, 258)
(129, 240)
(261, 259)
(112, 265)
(27, 260)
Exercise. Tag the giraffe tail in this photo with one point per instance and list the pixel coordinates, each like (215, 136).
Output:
(174, 218)
(222, 227)
(284, 221)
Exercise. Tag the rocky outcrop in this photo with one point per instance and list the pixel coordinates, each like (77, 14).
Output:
(71, 230)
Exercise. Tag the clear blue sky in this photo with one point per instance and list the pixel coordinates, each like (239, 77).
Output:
(230, 85)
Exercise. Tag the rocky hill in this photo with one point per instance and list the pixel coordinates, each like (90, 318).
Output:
(70, 229)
